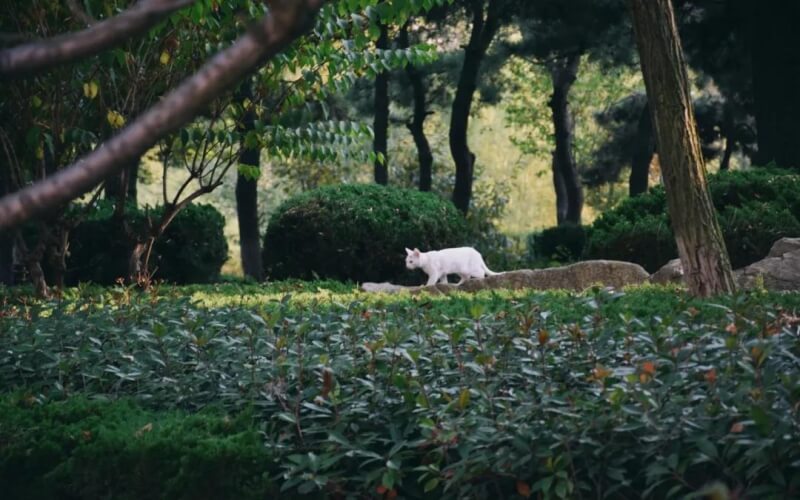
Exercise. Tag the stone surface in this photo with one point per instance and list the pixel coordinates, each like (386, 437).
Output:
(778, 273)
(783, 246)
(671, 272)
(576, 277)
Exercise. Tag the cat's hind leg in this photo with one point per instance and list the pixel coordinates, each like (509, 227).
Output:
(443, 279)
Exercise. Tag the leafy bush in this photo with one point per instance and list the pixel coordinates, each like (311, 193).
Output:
(191, 250)
(560, 243)
(499, 396)
(755, 208)
(84, 449)
(357, 232)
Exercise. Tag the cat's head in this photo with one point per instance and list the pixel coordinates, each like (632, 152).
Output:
(412, 258)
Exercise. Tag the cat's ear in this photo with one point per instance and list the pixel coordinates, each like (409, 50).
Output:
(416, 252)
(409, 252)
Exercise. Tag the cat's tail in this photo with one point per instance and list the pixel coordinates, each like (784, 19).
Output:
(488, 271)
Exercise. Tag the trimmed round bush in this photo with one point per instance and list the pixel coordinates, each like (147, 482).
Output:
(357, 232)
(191, 250)
(563, 243)
(755, 208)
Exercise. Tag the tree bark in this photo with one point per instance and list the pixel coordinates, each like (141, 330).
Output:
(416, 125)
(247, 195)
(775, 39)
(561, 194)
(484, 28)
(564, 73)
(122, 187)
(701, 248)
(642, 156)
(381, 121)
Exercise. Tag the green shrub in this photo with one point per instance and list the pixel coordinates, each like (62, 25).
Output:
(755, 208)
(357, 232)
(84, 449)
(560, 243)
(191, 250)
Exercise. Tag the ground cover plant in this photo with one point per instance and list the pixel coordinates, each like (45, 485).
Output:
(645, 392)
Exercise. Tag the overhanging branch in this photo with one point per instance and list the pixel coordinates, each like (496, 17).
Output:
(41, 55)
(286, 21)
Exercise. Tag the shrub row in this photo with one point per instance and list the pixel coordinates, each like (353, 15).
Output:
(90, 449)
(191, 250)
(357, 232)
(500, 399)
(755, 208)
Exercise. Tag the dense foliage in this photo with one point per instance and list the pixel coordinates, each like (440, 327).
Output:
(466, 396)
(191, 250)
(357, 232)
(756, 207)
(563, 243)
(90, 449)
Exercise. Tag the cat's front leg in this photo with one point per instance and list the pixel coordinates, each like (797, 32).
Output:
(432, 279)
(443, 280)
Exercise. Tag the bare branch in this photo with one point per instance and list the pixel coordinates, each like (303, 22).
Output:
(265, 39)
(42, 55)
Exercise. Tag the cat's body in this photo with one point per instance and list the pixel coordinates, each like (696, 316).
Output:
(463, 261)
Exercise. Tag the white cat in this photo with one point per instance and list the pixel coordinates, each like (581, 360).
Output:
(437, 264)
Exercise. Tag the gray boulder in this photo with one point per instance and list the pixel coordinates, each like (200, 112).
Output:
(784, 246)
(578, 277)
(671, 272)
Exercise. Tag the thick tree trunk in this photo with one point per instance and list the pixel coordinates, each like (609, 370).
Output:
(643, 152)
(775, 39)
(561, 194)
(417, 123)
(247, 199)
(381, 122)
(564, 72)
(484, 28)
(694, 221)
(122, 187)
(247, 214)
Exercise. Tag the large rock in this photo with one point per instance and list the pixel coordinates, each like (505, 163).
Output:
(671, 272)
(784, 246)
(576, 277)
(780, 270)
(777, 273)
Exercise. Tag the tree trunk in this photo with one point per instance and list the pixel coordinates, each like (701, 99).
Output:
(417, 123)
(775, 39)
(247, 214)
(247, 198)
(643, 152)
(564, 72)
(483, 31)
(381, 123)
(122, 187)
(561, 194)
(694, 221)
